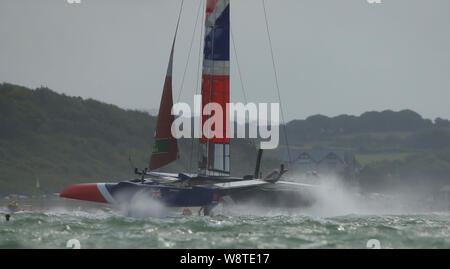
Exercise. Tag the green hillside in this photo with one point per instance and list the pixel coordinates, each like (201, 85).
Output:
(393, 149)
(62, 140)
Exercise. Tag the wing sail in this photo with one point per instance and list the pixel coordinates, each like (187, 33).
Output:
(215, 151)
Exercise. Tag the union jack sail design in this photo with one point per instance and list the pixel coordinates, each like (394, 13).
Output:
(215, 152)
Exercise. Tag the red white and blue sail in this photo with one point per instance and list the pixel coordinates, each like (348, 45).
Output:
(215, 151)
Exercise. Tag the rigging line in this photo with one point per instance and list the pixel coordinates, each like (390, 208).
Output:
(240, 74)
(199, 63)
(189, 54)
(179, 17)
(197, 86)
(213, 30)
(173, 45)
(238, 66)
(276, 80)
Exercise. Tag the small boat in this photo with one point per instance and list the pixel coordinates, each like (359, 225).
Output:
(213, 183)
(13, 206)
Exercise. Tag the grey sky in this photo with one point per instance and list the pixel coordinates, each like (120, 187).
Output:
(333, 56)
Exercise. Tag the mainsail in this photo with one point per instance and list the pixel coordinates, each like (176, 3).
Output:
(165, 147)
(215, 151)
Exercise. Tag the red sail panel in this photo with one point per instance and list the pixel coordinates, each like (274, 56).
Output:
(216, 89)
(165, 147)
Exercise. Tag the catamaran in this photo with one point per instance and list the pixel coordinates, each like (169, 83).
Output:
(212, 183)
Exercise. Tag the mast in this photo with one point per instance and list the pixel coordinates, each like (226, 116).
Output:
(215, 151)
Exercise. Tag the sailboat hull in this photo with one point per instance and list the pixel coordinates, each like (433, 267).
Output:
(125, 192)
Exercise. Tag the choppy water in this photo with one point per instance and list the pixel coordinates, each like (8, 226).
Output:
(102, 228)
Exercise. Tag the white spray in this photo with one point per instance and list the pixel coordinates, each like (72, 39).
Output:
(142, 205)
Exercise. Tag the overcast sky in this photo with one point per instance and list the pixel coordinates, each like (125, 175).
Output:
(333, 56)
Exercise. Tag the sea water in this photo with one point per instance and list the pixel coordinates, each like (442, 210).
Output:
(238, 227)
